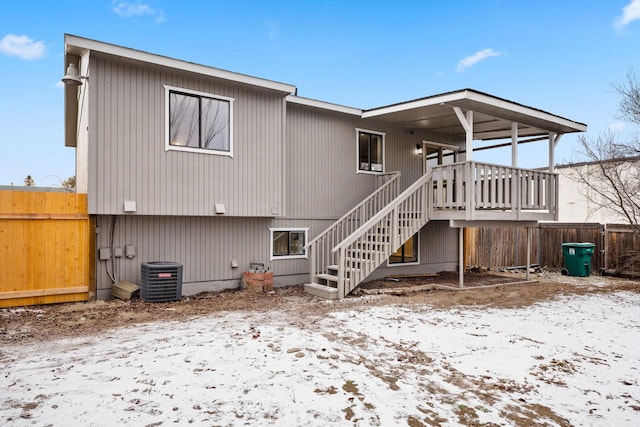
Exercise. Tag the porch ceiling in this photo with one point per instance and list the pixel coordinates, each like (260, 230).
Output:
(492, 116)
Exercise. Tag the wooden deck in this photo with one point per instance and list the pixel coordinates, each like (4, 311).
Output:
(474, 191)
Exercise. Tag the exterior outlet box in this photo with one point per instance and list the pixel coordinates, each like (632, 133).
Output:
(130, 251)
(130, 206)
(220, 209)
(104, 254)
(117, 252)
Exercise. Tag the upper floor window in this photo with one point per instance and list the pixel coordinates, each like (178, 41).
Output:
(197, 121)
(370, 151)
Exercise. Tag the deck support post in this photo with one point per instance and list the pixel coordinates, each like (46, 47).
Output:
(553, 141)
(514, 144)
(461, 255)
(466, 120)
(527, 274)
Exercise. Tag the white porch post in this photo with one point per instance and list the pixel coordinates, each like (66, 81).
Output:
(552, 147)
(461, 255)
(467, 123)
(553, 141)
(514, 145)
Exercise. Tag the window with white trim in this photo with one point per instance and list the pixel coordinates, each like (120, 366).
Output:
(288, 243)
(406, 254)
(198, 121)
(370, 146)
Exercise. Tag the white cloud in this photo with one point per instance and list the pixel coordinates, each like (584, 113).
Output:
(616, 126)
(22, 47)
(630, 13)
(273, 29)
(472, 60)
(160, 18)
(59, 84)
(130, 10)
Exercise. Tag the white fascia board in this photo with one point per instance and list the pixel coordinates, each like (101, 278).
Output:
(75, 44)
(480, 98)
(435, 100)
(521, 109)
(323, 105)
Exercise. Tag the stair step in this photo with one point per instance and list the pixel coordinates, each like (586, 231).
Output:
(321, 291)
(328, 277)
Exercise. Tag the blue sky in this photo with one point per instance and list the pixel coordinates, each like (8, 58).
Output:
(560, 56)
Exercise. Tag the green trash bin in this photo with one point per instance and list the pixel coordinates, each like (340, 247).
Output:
(577, 258)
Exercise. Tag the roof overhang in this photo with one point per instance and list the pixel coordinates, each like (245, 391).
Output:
(76, 46)
(492, 116)
(322, 105)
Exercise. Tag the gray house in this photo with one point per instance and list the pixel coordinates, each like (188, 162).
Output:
(216, 170)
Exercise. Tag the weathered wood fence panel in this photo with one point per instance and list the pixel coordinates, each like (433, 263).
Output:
(495, 247)
(553, 235)
(44, 248)
(622, 254)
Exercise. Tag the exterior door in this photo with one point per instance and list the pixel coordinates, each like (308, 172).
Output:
(434, 154)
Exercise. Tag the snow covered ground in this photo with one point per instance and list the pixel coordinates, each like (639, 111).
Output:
(571, 361)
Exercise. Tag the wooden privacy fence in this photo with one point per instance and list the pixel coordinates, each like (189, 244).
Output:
(623, 250)
(44, 248)
(495, 247)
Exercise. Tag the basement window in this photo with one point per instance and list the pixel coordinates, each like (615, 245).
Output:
(370, 146)
(198, 121)
(288, 243)
(406, 254)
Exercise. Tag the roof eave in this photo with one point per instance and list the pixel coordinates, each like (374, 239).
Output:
(308, 102)
(75, 45)
(456, 98)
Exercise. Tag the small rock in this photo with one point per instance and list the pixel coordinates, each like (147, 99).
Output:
(293, 350)
(299, 354)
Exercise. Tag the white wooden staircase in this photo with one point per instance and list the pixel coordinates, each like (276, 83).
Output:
(353, 247)
(337, 268)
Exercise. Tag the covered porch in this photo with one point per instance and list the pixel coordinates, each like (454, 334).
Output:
(471, 193)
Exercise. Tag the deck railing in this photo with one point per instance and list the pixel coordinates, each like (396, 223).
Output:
(320, 255)
(474, 190)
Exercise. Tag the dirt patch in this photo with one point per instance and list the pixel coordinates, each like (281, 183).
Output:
(445, 278)
(39, 323)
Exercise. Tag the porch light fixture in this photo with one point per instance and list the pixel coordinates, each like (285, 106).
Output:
(419, 149)
(73, 78)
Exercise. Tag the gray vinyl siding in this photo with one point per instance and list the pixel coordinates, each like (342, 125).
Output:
(128, 160)
(205, 246)
(297, 171)
(438, 252)
(321, 177)
(321, 174)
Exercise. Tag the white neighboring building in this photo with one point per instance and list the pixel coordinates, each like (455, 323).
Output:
(573, 204)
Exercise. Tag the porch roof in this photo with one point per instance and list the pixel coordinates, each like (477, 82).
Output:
(492, 116)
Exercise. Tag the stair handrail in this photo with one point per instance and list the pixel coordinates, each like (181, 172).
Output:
(393, 180)
(384, 212)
